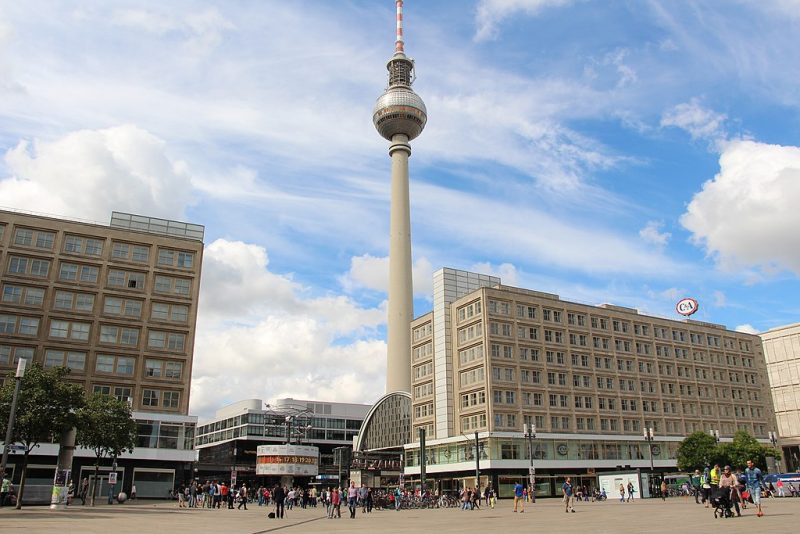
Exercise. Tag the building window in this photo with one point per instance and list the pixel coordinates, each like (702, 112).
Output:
(6, 352)
(119, 335)
(75, 361)
(67, 300)
(29, 296)
(126, 279)
(34, 238)
(69, 330)
(150, 397)
(28, 266)
(124, 307)
(171, 399)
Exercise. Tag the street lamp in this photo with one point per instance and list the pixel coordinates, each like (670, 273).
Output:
(714, 434)
(21, 365)
(649, 436)
(773, 439)
(530, 433)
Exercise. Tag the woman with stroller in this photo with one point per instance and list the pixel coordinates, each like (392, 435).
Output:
(729, 486)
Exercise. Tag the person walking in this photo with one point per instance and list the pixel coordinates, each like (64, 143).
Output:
(242, 497)
(696, 485)
(621, 492)
(630, 491)
(352, 499)
(664, 489)
(84, 491)
(728, 483)
(518, 500)
(133, 492)
(754, 479)
(336, 504)
(569, 496)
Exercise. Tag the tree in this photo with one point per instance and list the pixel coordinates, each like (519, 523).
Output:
(106, 427)
(46, 406)
(696, 451)
(745, 447)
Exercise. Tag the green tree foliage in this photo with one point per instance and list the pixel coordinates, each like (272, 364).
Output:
(696, 451)
(46, 406)
(745, 447)
(700, 449)
(106, 427)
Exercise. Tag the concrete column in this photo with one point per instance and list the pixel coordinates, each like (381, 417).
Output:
(401, 304)
(58, 499)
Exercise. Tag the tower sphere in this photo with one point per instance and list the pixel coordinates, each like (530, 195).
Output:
(399, 110)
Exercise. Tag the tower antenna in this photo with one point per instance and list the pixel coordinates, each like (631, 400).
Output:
(398, 45)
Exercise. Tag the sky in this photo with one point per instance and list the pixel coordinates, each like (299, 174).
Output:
(627, 152)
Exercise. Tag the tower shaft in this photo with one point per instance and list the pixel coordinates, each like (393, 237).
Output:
(401, 305)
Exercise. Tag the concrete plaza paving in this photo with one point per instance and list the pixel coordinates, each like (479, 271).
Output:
(648, 516)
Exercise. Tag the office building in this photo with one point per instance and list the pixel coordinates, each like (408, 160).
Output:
(782, 351)
(490, 358)
(228, 443)
(117, 305)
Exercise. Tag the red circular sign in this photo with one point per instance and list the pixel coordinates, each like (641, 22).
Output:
(687, 306)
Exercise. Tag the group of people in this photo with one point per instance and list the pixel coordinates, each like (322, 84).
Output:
(212, 494)
(725, 488)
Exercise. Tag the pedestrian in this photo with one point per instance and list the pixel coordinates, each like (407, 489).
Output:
(630, 491)
(779, 486)
(621, 492)
(663, 489)
(242, 497)
(279, 496)
(362, 498)
(5, 489)
(352, 499)
(569, 496)
(518, 494)
(754, 480)
(728, 483)
(696, 486)
(84, 491)
(369, 500)
(336, 501)
(133, 492)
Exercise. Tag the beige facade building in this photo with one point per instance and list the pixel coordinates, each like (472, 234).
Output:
(115, 304)
(491, 358)
(782, 352)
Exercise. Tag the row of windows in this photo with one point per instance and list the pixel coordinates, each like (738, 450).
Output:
(81, 331)
(104, 363)
(602, 323)
(532, 354)
(89, 274)
(84, 302)
(93, 246)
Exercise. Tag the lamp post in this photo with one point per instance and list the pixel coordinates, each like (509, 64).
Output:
(112, 478)
(530, 433)
(773, 439)
(649, 436)
(22, 364)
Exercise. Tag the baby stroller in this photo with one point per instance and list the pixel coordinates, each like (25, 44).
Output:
(721, 502)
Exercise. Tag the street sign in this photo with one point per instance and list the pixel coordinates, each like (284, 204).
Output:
(112, 479)
(233, 478)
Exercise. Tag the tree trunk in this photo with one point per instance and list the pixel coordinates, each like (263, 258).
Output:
(96, 474)
(22, 478)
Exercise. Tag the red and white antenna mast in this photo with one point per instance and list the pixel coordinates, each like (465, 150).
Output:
(398, 45)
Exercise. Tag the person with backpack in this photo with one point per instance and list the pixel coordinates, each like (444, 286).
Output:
(242, 497)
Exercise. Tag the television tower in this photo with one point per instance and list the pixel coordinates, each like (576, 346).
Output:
(399, 116)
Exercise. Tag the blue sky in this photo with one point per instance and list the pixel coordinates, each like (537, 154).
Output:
(623, 152)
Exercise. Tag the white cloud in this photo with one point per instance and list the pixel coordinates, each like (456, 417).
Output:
(720, 299)
(747, 215)
(652, 234)
(370, 272)
(747, 329)
(700, 122)
(508, 273)
(88, 173)
(491, 13)
(262, 335)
